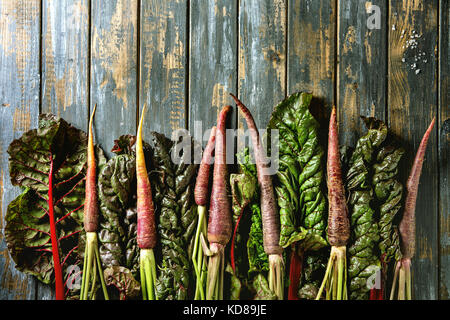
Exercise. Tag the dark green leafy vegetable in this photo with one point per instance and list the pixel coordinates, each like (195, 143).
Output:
(173, 187)
(262, 290)
(119, 252)
(388, 191)
(248, 259)
(117, 194)
(299, 184)
(257, 257)
(313, 270)
(243, 191)
(300, 175)
(49, 160)
(363, 256)
(125, 283)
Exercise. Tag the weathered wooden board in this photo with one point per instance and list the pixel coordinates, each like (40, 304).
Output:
(361, 84)
(114, 34)
(262, 58)
(182, 58)
(444, 150)
(163, 58)
(212, 63)
(311, 53)
(65, 60)
(19, 111)
(65, 69)
(412, 101)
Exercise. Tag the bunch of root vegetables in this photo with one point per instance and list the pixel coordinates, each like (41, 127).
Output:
(321, 228)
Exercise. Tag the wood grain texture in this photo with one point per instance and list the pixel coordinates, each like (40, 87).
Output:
(444, 151)
(212, 63)
(163, 59)
(19, 111)
(412, 101)
(65, 60)
(312, 54)
(311, 48)
(361, 84)
(262, 59)
(114, 34)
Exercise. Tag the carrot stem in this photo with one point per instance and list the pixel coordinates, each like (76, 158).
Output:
(91, 265)
(197, 254)
(201, 198)
(214, 281)
(146, 229)
(401, 284)
(408, 280)
(338, 222)
(335, 279)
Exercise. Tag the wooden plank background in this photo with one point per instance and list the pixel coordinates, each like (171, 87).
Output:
(183, 57)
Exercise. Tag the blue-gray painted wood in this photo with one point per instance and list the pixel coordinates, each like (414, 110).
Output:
(19, 111)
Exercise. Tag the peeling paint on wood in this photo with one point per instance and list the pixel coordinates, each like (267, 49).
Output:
(361, 69)
(19, 90)
(65, 57)
(262, 58)
(163, 64)
(114, 35)
(212, 62)
(311, 45)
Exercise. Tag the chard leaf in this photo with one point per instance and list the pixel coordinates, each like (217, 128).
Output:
(299, 185)
(244, 192)
(176, 215)
(257, 257)
(251, 261)
(117, 196)
(58, 150)
(122, 279)
(363, 245)
(119, 252)
(313, 269)
(261, 287)
(388, 192)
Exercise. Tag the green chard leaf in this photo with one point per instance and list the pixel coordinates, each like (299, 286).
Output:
(119, 252)
(125, 283)
(388, 192)
(312, 274)
(299, 187)
(257, 257)
(58, 150)
(363, 245)
(248, 280)
(176, 215)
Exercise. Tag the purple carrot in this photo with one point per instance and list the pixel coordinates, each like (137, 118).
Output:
(407, 225)
(201, 185)
(219, 223)
(269, 212)
(335, 278)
